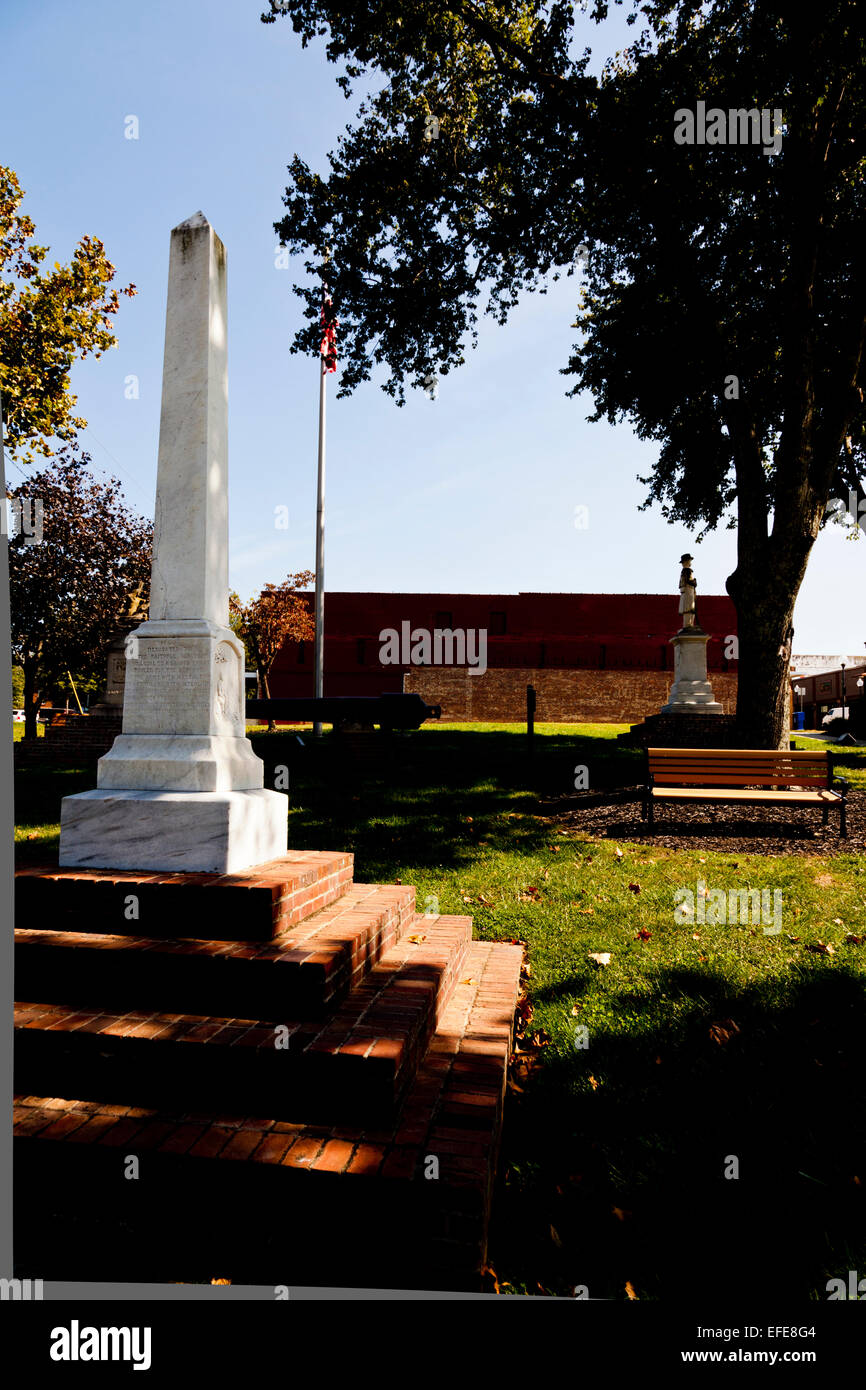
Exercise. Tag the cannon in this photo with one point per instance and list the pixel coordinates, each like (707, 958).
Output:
(390, 710)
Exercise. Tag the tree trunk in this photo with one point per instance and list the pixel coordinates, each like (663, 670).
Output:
(272, 727)
(764, 588)
(31, 698)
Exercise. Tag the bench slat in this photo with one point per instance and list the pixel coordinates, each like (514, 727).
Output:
(816, 798)
(742, 753)
(748, 779)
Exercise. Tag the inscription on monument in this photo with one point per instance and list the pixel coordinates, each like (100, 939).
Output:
(168, 681)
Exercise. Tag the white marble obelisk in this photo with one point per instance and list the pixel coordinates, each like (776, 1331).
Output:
(181, 788)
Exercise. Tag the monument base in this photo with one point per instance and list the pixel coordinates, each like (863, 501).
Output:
(692, 730)
(216, 832)
(180, 763)
(691, 692)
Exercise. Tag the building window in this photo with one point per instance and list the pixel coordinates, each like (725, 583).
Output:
(497, 624)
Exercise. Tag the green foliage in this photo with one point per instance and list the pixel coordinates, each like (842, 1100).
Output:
(48, 320)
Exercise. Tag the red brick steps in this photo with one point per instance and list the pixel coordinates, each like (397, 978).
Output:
(358, 1061)
(309, 1073)
(403, 1204)
(301, 971)
(254, 905)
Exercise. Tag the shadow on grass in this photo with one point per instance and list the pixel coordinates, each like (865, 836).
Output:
(631, 1175)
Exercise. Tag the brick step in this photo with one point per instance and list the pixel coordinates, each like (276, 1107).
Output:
(254, 905)
(301, 972)
(358, 1061)
(262, 1200)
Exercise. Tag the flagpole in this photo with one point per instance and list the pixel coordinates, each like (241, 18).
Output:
(320, 548)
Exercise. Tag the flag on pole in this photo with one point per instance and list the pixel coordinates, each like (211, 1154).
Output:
(328, 348)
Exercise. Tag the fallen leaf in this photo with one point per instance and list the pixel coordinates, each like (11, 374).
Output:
(723, 1031)
(416, 938)
(221, 1281)
(629, 1288)
(593, 1083)
(852, 940)
(618, 852)
(587, 911)
(484, 900)
(621, 1213)
(794, 939)
(600, 957)
(658, 1061)
(823, 948)
(576, 1010)
(470, 980)
(554, 849)
(634, 887)
(555, 1237)
(643, 935)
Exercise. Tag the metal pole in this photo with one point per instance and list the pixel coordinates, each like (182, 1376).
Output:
(320, 549)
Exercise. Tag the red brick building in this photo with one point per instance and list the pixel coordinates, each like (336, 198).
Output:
(604, 657)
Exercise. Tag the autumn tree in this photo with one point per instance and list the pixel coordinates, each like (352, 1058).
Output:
(48, 320)
(76, 555)
(279, 614)
(723, 306)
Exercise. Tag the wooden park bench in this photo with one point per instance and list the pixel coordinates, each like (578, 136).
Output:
(743, 776)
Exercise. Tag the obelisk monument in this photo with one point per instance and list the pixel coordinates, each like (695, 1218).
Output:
(181, 787)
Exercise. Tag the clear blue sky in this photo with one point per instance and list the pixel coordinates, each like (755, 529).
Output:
(475, 491)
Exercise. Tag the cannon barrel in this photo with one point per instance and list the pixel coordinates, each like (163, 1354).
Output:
(389, 710)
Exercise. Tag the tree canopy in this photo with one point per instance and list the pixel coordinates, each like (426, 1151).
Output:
(69, 588)
(723, 304)
(48, 320)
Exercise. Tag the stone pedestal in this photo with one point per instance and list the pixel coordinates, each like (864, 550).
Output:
(691, 692)
(181, 788)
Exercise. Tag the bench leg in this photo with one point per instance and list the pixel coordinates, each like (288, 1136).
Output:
(843, 827)
(651, 810)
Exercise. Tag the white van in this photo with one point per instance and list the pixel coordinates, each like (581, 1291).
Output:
(837, 713)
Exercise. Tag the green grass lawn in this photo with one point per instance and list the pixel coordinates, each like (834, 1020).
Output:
(697, 1050)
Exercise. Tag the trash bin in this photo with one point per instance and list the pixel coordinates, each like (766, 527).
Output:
(800, 719)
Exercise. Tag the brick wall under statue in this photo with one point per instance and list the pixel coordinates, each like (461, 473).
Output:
(584, 697)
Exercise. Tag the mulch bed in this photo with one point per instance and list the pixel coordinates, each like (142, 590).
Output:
(776, 830)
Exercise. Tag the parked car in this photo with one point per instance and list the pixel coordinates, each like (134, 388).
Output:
(837, 713)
